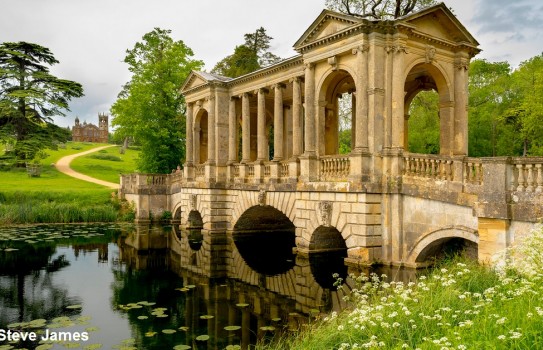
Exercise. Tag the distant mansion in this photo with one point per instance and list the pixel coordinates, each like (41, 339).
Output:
(90, 132)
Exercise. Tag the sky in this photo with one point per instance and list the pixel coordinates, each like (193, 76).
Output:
(90, 37)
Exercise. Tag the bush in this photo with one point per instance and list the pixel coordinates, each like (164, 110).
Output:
(101, 156)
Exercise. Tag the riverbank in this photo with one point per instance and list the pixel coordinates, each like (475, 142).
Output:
(461, 305)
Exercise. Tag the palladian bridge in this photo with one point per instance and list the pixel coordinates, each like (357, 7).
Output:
(262, 152)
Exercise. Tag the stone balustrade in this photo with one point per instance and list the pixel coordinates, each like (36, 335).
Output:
(527, 174)
(429, 166)
(334, 168)
(473, 171)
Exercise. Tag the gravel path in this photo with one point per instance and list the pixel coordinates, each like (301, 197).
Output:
(63, 165)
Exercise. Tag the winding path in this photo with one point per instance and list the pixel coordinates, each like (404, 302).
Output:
(63, 165)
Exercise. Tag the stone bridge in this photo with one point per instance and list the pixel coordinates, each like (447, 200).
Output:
(262, 151)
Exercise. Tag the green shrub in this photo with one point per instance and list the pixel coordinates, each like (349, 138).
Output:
(106, 156)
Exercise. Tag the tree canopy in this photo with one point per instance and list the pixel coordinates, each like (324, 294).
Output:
(248, 57)
(378, 9)
(30, 96)
(149, 107)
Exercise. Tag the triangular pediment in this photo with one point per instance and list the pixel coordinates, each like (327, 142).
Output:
(439, 22)
(327, 24)
(196, 79)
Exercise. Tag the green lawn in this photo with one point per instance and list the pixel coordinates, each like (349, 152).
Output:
(106, 164)
(44, 199)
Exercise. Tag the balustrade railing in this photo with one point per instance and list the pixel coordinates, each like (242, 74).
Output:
(473, 171)
(267, 170)
(283, 168)
(334, 168)
(429, 166)
(235, 171)
(527, 175)
(250, 170)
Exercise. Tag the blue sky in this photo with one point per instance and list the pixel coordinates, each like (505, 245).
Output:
(90, 37)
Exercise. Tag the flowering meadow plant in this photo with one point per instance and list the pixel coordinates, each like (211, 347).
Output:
(460, 305)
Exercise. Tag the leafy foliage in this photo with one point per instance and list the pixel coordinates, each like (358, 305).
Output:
(30, 96)
(378, 9)
(248, 57)
(149, 107)
(424, 123)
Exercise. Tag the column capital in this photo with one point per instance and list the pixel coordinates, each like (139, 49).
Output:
(461, 63)
(309, 65)
(298, 79)
(396, 49)
(360, 49)
(246, 94)
(261, 91)
(278, 86)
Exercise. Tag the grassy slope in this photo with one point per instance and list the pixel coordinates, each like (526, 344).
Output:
(107, 170)
(22, 194)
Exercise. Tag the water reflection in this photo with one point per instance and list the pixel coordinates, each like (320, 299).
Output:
(134, 282)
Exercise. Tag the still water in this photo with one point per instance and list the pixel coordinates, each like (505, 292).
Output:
(132, 287)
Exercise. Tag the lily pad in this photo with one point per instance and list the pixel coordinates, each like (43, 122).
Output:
(203, 337)
(73, 307)
(150, 334)
(242, 305)
(92, 346)
(182, 347)
(169, 331)
(183, 328)
(206, 317)
(268, 328)
(232, 328)
(143, 317)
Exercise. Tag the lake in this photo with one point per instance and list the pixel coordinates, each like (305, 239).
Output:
(110, 286)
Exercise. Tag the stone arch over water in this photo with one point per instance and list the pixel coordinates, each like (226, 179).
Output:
(431, 245)
(265, 238)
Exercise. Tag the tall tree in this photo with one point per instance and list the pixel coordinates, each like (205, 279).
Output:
(527, 111)
(149, 107)
(248, 57)
(378, 9)
(30, 96)
(489, 98)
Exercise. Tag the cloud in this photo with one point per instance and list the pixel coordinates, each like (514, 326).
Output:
(506, 16)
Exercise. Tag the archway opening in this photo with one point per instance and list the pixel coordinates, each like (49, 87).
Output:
(265, 238)
(327, 251)
(336, 110)
(201, 142)
(446, 247)
(427, 111)
(176, 221)
(195, 225)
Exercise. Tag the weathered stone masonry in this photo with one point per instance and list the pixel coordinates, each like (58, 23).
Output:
(387, 204)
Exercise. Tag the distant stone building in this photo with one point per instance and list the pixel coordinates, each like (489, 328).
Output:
(90, 132)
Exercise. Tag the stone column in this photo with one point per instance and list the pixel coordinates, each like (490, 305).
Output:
(310, 125)
(459, 144)
(190, 140)
(398, 96)
(211, 130)
(232, 132)
(245, 128)
(361, 116)
(261, 126)
(278, 126)
(296, 117)
(406, 132)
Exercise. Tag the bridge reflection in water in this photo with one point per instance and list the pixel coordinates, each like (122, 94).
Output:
(253, 288)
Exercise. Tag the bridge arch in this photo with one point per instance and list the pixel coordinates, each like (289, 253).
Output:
(336, 102)
(421, 75)
(430, 244)
(265, 238)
